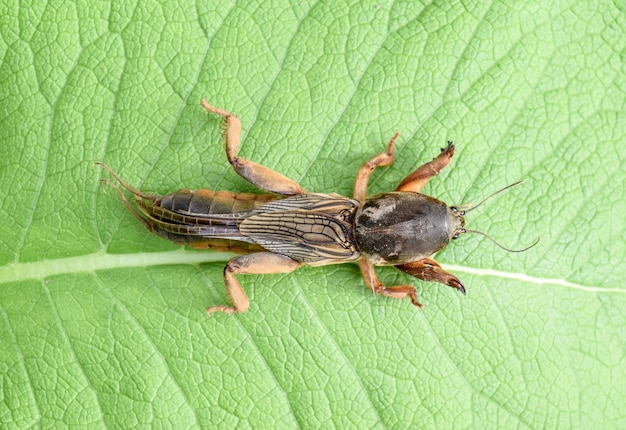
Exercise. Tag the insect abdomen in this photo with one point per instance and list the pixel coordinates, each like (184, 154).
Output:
(205, 202)
(203, 219)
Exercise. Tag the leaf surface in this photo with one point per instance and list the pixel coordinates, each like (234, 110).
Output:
(103, 326)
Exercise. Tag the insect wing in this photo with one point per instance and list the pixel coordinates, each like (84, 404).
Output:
(312, 228)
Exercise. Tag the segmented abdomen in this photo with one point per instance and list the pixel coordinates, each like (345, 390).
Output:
(203, 218)
(207, 202)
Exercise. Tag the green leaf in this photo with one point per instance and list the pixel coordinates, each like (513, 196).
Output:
(104, 325)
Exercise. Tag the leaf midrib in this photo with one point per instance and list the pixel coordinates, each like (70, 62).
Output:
(101, 260)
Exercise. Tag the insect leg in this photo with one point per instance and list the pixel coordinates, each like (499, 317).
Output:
(396, 292)
(260, 263)
(362, 176)
(429, 270)
(416, 180)
(258, 175)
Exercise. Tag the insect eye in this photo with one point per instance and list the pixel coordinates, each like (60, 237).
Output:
(458, 233)
(456, 211)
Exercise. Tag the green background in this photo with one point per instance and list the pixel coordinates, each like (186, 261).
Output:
(103, 325)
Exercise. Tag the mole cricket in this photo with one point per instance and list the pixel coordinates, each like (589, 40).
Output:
(291, 227)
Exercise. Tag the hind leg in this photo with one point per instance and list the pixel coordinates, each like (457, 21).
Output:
(257, 174)
(260, 263)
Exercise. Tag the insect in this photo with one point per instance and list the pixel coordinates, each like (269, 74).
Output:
(289, 227)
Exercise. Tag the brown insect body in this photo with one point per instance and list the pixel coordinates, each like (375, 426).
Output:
(277, 233)
(401, 227)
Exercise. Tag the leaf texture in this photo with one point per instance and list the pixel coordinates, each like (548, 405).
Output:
(103, 325)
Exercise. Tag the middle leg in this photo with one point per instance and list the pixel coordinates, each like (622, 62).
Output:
(396, 292)
(382, 159)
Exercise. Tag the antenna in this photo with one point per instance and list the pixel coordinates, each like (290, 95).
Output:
(463, 212)
(492, 195)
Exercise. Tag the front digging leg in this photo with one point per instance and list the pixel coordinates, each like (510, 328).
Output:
(257, 174)
(260, 263)
(396, 292)
(420, 177)
(429, 270)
